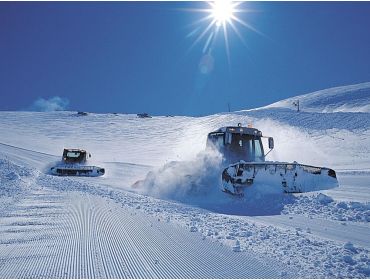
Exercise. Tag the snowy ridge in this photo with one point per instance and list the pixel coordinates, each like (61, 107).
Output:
(313, 120)
(352, 98)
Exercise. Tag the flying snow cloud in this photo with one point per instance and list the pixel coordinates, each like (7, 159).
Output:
(185, 180)
(54, 103)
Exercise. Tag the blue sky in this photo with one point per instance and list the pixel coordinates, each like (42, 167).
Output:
(133, 57)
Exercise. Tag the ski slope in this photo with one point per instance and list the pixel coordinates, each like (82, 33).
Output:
(59, 227)
(352, 98)
(54, 234)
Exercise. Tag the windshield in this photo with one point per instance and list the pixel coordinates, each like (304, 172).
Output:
(244, 147)
(216, 140)
(258, 152)
(73, 154)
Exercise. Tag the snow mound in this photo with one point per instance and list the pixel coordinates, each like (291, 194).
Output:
(296, 248)
(14, 183)
(324, 199)
(352, 98)
(13, 178)
(323, 206)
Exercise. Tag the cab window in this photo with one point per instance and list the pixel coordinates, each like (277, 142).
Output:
(258, 149)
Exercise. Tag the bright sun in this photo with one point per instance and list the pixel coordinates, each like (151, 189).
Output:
(222, 11)
(221, 15)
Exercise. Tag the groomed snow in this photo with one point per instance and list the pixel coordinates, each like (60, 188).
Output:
(58, 227)
(352, 98)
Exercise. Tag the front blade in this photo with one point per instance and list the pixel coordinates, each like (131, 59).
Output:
(290, 177)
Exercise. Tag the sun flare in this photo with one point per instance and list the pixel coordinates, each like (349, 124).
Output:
(222, 16)
(222, 11)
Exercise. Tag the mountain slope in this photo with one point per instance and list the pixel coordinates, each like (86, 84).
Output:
(352, 98)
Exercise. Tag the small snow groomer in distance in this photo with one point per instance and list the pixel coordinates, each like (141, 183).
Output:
(74, 164)
(243, 151)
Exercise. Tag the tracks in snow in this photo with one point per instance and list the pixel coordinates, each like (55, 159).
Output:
(53, 234)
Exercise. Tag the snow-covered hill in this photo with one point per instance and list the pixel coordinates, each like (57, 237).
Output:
(352, 98)
(103, 228)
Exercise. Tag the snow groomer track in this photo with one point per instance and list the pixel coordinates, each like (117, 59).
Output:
(52, 234)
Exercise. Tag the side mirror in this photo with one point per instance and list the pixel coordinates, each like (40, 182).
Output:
(271, 143)
(89, 155)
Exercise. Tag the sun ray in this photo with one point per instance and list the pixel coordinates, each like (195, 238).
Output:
(237, 32)
(222, 15)
(203, 19)
(202, 34)
(226, 44)
(196, 10)
(193, 32)
(209, 40)
(242, 22)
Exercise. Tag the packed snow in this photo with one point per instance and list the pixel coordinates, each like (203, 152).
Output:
(175, 222)
(352, 98)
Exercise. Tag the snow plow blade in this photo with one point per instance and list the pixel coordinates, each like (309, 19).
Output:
(87, 171)
(290, 177)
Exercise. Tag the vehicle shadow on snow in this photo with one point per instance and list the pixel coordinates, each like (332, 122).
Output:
(266, 205)
(258, 200)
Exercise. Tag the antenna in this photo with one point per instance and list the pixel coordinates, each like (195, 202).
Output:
(228, 106)
(296, 104)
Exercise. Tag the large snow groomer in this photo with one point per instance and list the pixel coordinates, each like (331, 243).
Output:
(243, 150)
(74, 164)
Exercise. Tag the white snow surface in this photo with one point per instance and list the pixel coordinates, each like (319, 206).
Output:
(179, 224)
(352, 98)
